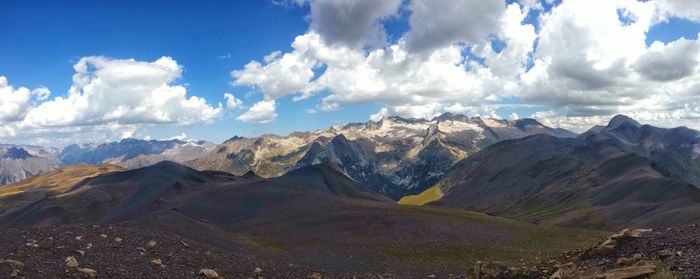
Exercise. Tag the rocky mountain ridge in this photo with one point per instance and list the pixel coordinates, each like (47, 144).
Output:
(19, 162)
(394, 156)
(624, 174)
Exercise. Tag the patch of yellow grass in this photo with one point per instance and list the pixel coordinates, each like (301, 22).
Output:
(59, 180)
(432, 194)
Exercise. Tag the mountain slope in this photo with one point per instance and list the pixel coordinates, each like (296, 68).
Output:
(49, 184)
(393, 156)
(599, 180)
(676, 150)
(315, 217)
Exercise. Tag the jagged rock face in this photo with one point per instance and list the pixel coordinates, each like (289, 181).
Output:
(20, 162)
(135, 153)
(394, 156)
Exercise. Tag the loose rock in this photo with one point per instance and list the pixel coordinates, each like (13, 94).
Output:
(158, 262)
(209, 273)
(90, 273)
(72, 262)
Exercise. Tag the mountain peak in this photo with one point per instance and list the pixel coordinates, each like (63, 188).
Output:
(17, 153)
(450, 116)
(621, 119)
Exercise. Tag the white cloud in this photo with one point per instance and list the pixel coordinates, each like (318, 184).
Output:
(590, 68)
(580, 68)
(689, 9)
(13, 102)
(284, 75)
(439, 23)
(108, 98)
(180, 137)
(353, 23)
(108, 90)
(233, 103)
(674, 61)
(410, 85)
(261, 112)
(379, 115)
(41, 93)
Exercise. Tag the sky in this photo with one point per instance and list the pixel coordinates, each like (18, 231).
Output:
(95, 71)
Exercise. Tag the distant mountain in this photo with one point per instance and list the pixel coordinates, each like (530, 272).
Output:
(393, 157)
(619, 175)
(18, 162)
(676, 150)
(135, 153)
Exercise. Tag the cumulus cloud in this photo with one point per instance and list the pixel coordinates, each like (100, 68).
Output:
(13, 102)
(114, 96)
(408, 84)
(379, 115)
(108, 90)
(180, 137)
(437, 23)
(590, 68)
(232, 103)
(41, 93)
(284, 75)
(261, 112)
(353, 23)
(579, 68)
(670, 62)
(689, 9)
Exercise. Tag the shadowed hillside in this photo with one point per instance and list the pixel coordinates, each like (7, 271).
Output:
(603, 179)
(316, 217)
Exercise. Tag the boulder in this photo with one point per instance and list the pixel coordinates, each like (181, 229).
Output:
(209, 273)
(629, 272)
(564, 271)
(90, 273)
(158, 263)
(72, 262)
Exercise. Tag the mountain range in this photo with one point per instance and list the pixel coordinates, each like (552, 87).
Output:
(531, 194)
(18, 162)
(393, 157)
(620, 175)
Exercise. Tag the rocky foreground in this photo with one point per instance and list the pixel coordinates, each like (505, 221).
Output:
(125, 252)
(641, 253)
(83, 251)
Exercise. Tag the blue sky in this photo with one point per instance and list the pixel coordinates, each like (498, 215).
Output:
(43, 40)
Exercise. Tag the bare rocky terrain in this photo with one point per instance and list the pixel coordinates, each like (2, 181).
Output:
(126, 252)
(131, 251)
